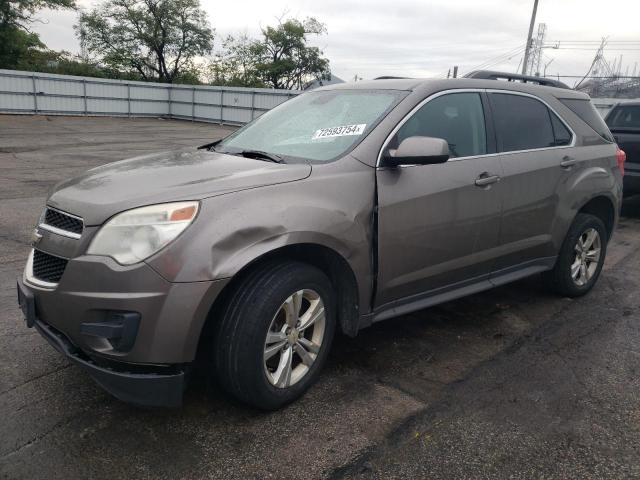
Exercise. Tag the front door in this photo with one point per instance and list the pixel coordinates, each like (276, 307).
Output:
(438, 225)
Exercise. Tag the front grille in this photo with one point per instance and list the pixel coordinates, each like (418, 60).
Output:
(63, 221)
(48, 268)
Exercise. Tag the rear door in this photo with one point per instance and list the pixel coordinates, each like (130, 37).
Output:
(536, 152)
(436, 227)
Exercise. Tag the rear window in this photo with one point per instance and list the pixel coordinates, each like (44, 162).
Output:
(625, 117)
(588, 113)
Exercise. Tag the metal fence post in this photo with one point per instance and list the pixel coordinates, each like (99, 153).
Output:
(221, 105)
(129, 100)
(193, 104)
(35, 94)
(253, 104)
(84, 94)
(170, 91)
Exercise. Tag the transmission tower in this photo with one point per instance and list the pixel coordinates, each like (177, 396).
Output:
(535, 54)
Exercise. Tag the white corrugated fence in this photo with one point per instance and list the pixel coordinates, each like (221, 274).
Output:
(51, 94)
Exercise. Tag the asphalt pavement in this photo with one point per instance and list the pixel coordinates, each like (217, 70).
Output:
(510, 383)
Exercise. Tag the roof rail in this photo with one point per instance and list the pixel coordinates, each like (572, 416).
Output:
(515, 77)
(388, 77)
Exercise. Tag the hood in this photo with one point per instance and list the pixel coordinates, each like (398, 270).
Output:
(104, 191)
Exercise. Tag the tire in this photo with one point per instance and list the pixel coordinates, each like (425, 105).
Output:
(266, 301)
(562, 279)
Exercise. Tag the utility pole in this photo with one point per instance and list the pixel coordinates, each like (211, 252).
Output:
(455, 71)
(529, 38)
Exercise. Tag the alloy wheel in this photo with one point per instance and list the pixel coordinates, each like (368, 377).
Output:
(587, 249)
(294, 338)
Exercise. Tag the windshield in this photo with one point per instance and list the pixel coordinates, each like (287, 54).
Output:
(317, 126)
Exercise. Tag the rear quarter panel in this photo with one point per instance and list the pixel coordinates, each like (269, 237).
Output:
(598, 175)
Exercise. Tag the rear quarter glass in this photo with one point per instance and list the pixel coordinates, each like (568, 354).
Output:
(589, 115)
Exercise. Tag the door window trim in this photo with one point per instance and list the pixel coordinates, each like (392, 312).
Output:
(490, 114)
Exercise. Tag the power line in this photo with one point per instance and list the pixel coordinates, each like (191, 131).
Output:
(596, 42)
(595, 76)
(499, 58)
(551, 47)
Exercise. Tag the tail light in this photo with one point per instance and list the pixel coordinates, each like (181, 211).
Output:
(621, 157)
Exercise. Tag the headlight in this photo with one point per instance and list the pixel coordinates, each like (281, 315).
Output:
(135, 235)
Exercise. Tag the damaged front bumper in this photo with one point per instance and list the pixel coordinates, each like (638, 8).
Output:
(162, 388)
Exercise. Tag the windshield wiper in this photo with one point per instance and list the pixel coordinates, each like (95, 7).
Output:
(259, 154)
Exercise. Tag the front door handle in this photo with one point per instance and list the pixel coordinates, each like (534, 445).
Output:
(485, 179)
(568, 162)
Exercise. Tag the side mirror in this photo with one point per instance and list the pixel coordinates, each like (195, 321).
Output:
(418, 151)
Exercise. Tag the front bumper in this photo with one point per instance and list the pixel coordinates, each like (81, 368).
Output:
(92, 289)
(148, 389)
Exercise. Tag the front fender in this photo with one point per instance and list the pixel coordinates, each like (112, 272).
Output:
(251, 245)
(332, 208)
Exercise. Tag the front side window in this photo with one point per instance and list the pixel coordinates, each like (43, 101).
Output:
(316, 126)
(458, 118)
(523, 123)
(625, 117)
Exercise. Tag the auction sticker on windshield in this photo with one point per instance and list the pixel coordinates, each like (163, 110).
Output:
(339, 131)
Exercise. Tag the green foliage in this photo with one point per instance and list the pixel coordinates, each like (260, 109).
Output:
(155, 39)
(64, 63)
(19, 13)
(235, 64)
(280, 59)
(163, 40)
(283, 58)
(17, 42)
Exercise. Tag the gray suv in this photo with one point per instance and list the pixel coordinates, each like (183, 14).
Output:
(342, 207)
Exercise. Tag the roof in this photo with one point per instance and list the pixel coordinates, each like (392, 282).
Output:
(515, 77)
(454, 83)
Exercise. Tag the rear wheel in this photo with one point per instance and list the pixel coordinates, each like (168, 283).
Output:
(581, 257)
(275, 334)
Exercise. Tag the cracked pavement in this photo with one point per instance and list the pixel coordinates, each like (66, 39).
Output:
(510, 383)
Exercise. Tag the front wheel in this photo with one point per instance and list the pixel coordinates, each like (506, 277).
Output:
(581, 257)
(275, 334)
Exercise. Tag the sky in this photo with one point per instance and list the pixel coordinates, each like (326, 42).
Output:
(423, 38)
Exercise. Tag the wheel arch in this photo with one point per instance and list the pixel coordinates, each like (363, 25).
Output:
(601, 206)
(327, 259)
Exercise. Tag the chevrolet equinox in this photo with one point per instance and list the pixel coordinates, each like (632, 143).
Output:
(344, 206)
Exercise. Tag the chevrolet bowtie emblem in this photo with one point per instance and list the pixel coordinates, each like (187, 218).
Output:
(36, 236)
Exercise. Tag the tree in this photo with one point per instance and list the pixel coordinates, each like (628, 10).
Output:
(235, 64)
(283, 59)
(16, 39)
(157, 39)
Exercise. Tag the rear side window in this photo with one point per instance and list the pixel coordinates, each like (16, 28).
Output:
(561, 133)
(524, 123)
(456, 117)
(588, 113)
(625, 117)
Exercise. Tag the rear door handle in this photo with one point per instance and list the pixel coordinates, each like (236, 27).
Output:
(568, 162)
(485, 179)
